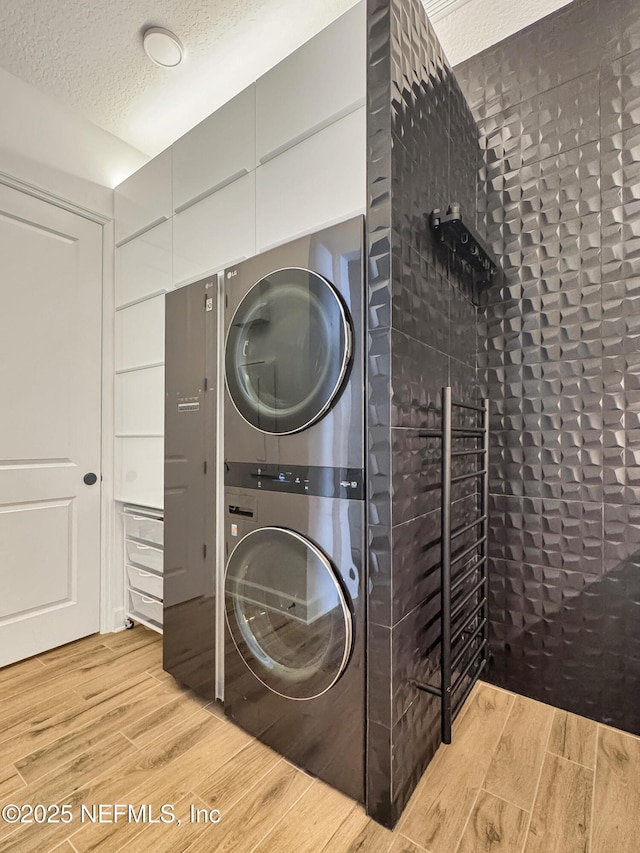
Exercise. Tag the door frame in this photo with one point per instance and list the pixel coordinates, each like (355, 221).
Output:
(111, 585)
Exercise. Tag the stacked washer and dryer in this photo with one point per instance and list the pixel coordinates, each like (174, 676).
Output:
(293, 502)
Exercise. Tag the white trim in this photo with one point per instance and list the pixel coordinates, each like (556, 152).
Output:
(211, 190)
(122, 370)
(438, 9)
(52, 198)
(316, 128)
(150, 226)
(110, 602)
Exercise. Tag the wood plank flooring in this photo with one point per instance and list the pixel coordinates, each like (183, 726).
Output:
(98, 723)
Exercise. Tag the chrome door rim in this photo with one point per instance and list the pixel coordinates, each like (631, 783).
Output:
(346, 614)
(348, 349)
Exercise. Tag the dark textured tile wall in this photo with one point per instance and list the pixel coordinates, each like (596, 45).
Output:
(558, 107)
(423, 153)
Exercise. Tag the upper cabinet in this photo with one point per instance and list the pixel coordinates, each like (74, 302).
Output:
(144, 199)
(216, 232)
(144, 265)
(216, 152)
(320, 82)
(316, 183)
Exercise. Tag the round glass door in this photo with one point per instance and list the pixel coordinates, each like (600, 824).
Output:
(287, 613)
(287, 352)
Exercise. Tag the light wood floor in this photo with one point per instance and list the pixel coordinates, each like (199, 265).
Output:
(99, 722)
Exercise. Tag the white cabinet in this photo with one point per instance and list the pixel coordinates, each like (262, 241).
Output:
(216, 152)
(314, 184)
(139, 475)
(144, 199)
(216, 232)
(321, 81)
(144, 265)
(139, 405)
(144, 564)
(140, 334)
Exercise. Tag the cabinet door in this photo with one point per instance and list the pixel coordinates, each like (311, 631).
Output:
(140, 334)
(144, 199)
(316, 183)
(139, 406)
(216, 232)
(144, 265)
(321, 81)
(139, 474)
(216, 152)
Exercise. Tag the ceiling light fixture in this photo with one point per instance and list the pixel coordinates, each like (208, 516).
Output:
(162, 47)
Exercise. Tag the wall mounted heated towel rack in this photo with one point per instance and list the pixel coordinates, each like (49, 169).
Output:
(464, 553)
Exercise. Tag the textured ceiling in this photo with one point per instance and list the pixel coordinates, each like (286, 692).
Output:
(88, 53)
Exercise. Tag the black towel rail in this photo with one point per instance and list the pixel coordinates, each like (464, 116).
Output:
(464, 634)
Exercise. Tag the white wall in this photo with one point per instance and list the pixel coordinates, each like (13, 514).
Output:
(477, 24)
(39, 134)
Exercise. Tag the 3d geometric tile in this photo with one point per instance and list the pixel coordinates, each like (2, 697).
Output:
(558, 106)
(423, 153)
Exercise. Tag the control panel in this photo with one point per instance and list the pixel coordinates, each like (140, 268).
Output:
(297, 479)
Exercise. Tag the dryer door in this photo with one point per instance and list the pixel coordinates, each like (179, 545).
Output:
(288, 351)
(286, 612)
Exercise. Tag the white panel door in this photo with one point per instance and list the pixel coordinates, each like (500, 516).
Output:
(50, 369)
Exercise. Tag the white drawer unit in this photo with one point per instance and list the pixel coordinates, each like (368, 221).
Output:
(144, 528)
(144, 564)
(147, 582)
(144, 556)
(145, 609)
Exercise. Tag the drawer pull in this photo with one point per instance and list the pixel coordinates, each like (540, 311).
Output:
(238, 510)
(148, 600)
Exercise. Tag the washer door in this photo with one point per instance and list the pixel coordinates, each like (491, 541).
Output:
(287, 613)
(287, 352)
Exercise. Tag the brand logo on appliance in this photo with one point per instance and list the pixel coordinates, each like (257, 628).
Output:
(349, 484)
(232, 273)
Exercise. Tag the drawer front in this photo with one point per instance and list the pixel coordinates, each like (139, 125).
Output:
(144, 556)
(146, 582)
(150, 530)
(145, 606)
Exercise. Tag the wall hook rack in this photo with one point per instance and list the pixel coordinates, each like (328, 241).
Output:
(463, 241)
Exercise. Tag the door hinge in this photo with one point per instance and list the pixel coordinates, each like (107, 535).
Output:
(205, 466)
(206, 384)
(204, 551)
